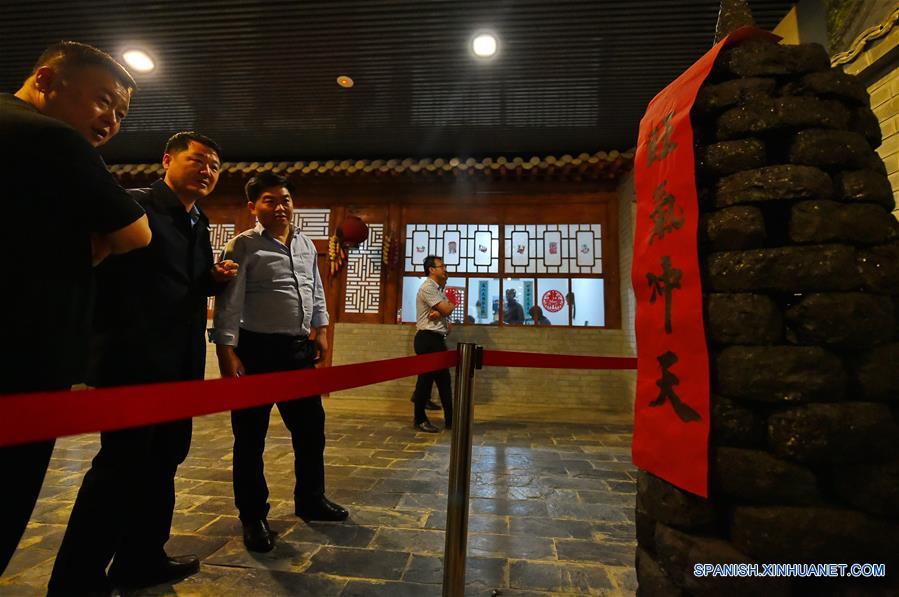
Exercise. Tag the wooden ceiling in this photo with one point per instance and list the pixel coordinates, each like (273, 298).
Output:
(260, 76)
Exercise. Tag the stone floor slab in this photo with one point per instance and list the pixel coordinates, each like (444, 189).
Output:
(551, 513)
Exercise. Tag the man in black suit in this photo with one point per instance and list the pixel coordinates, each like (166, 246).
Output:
(149, 327)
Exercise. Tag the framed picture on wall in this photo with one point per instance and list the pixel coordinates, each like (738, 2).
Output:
(483, 247)
(452, 247)
(584, 241)
(419, 246)
(552, 248)
(519, 248)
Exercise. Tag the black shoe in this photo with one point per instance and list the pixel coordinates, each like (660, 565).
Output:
(429, 405)
(426, 427)
(257, 536)
(166, 571)
(323, 510)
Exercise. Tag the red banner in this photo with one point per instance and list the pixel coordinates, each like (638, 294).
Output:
(671, 412)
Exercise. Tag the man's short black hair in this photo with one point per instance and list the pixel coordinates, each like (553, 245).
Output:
(265, 180)
(181, 141)
(72, 54)
(430, 261)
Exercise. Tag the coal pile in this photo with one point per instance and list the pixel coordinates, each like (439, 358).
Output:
(800, 257)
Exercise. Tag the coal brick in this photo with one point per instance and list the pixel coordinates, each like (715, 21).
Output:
(736, 424)
(864, 122)
(713, 98)
(879, 267)
(843, 432)
(865, 186)
(743, 318)
(832, 83)
(773, 183)
(756, 476)
(763, 59)
(727, 157)
(830, 221)
(833, 150)
(678, 552)
(672, 506)
(808, 268)
(652, 580)
(780, 374)
(846, 320)
(780, 114)
(870, 487)
(733, 228)
(645, 527)
(876, 371)
(803, 534)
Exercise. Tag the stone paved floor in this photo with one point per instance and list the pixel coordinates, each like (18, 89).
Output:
(551, 513)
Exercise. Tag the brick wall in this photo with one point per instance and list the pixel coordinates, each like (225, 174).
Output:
(542, 394)
(878, 66)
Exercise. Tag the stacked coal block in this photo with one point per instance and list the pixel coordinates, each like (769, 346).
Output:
(800, 258)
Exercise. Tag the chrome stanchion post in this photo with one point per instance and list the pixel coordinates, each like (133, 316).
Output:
(459, 472)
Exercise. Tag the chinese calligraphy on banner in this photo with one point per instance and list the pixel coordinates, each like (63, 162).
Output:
(671, 412)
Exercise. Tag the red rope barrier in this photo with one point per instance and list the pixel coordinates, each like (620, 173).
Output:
(39, 416)
(502, 358)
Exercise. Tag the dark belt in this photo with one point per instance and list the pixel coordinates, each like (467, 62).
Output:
(438, 334)
(283, 338)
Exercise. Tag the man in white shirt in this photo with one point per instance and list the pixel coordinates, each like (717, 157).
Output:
(432, 310)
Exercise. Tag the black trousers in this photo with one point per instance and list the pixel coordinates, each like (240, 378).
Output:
(427, 342)
(24, 467)
(124, 507)
(304, 418)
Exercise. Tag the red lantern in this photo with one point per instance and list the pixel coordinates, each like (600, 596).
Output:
(352, 231)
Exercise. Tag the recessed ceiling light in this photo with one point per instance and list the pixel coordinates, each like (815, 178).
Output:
(345, 81)
(139, 60)
(484, 45)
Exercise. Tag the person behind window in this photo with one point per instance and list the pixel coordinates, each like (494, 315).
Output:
(513, 312)
(538, 316)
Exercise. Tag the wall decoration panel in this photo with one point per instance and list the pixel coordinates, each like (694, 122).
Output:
(314, 223)
(553, 249)
(465, 248)
(219, 235)
(363, 273)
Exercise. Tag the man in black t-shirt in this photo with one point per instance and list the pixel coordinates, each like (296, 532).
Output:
(72, 213)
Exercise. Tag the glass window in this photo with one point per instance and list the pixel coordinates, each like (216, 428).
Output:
(483, 301)
(552, 306)
(588, 304)
(411, 284)
(455, 291)
(518, 296)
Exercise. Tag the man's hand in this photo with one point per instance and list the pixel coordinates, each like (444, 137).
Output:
(434, 315)
(101, 248)
(224, 270)
(229, 363)
(321, 344)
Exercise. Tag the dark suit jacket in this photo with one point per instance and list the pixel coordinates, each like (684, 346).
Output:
(150, 314)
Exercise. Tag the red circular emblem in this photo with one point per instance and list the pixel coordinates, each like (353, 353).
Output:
(553, 301)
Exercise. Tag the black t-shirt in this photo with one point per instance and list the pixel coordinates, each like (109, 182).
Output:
(56, 191)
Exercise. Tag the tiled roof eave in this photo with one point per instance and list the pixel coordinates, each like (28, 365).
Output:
(600, 165)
